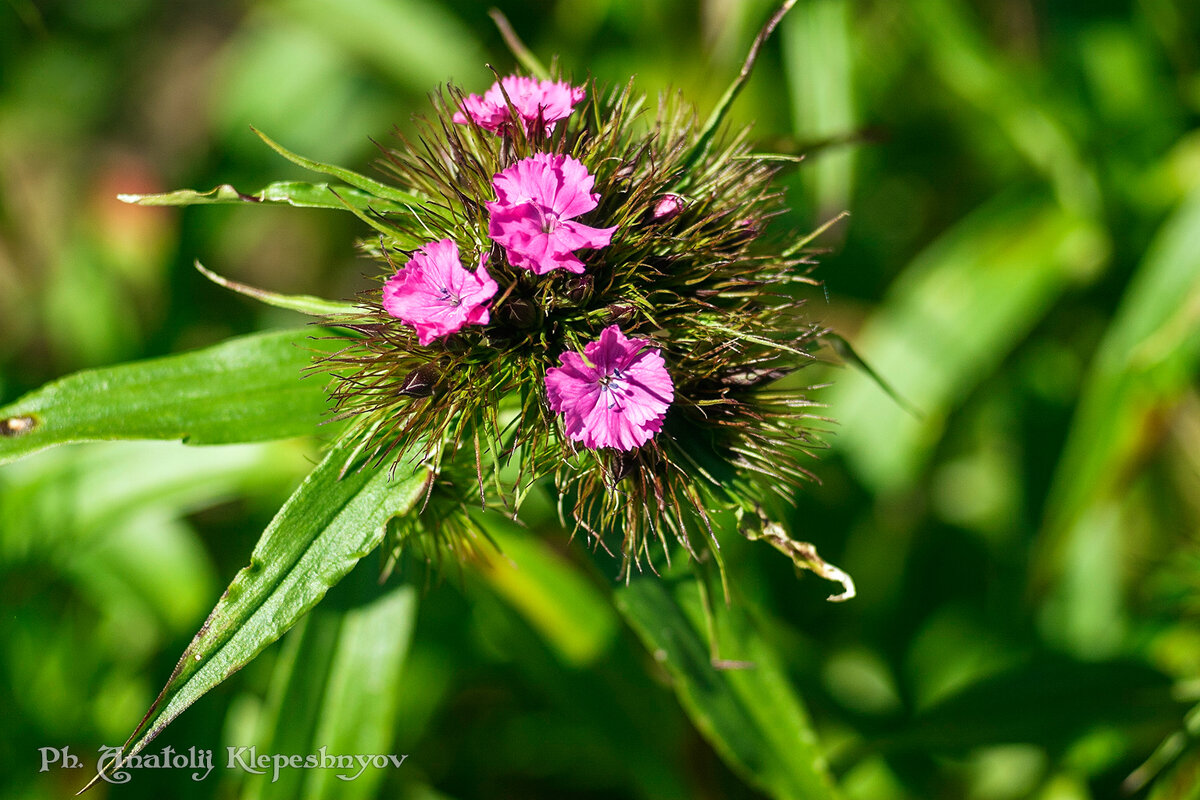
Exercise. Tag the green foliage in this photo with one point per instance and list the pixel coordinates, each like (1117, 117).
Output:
(740, 699)
(342, 665)
(330, 523)
(242, 390)
(1019, 264)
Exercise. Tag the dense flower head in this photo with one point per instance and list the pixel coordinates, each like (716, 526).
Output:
(532, 217)
(532, 100)
(614, 395)
(436, 295)
(631, 336)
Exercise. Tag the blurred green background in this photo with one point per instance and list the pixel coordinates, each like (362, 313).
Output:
(1022, 262)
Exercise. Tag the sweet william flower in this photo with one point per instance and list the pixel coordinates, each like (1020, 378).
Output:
(690, 263)
(614, 395)
(436, 295)
(533, 100)
(532, 217)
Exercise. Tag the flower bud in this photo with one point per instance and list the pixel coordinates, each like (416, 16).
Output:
(421, 382)
(745, 230)
(579, 289)
(619, 313)
(520, 313)
(667, 207)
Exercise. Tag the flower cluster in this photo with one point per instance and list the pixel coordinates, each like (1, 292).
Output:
(617, 403)
(585, 296)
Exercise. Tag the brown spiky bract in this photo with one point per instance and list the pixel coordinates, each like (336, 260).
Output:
(707, 284)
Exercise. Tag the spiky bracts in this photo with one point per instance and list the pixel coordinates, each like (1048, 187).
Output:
(689, 268)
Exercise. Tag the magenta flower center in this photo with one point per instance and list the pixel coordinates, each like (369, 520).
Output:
(548, 220)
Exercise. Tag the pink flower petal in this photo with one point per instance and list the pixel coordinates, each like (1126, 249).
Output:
(532, 216)
(436, 295)
(615, 395)
(533, 100)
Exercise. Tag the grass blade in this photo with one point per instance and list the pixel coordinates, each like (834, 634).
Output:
(323, 530)
(750, 716)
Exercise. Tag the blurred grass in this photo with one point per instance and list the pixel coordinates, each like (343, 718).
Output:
(1020, 263)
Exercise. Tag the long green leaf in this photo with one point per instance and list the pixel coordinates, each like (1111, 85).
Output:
(571, 614)
(1148, 357)
(318, 536)
(368, 185)
(713, 124)
(1145, 364)
(335, 687)
(817, 51)
(751, 716)
(517, 47)
(972, 68)
(247, 389)
(957, 310)
(292, 193)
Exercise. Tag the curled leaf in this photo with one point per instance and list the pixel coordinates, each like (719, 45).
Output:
(802, 554)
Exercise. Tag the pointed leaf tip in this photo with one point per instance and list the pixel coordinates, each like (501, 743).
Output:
(517, 47)
(723, 105)
(373, 187)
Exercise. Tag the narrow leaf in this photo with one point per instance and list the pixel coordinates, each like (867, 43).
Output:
(751, 716)
(368, 185)
(292, 193)
(847, 353)
(1145, 366)
(304, 303)
(723, 105)
(568, 611)
(323, 530)
(522, 53)
(336, 686)
(948, 320)
(1147, 359)
(818, 53)
(246, 389)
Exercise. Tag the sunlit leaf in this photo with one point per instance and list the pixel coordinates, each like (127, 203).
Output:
(817, 58)
(335, 688)
(246, 389)
(750, 715)
(368, 185)
(292, 193)
(318, 536)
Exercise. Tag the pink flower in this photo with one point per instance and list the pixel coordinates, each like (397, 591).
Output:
(548, 101)
(614, 395)
(435, 294)
(536, 199)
